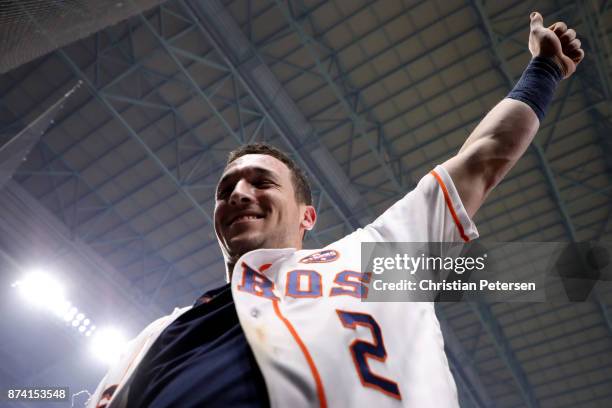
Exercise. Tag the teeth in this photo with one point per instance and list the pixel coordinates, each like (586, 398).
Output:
(246, 217)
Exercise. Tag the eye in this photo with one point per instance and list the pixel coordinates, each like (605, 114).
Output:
(223, 192)
(262, 183)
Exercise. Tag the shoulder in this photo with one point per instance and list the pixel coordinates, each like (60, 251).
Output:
(159, 323)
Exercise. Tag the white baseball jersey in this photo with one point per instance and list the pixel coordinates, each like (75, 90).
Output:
(315, 341)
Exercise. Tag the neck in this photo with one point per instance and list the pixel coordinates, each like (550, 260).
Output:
(231, 263)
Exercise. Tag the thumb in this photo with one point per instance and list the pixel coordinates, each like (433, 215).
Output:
(536, 20)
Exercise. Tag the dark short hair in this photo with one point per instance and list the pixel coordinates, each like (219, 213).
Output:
(300, 183)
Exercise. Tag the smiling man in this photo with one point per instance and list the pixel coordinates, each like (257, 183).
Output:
(263, 201)
(290, 329)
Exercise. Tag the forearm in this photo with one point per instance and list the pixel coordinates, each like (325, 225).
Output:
(504, 134)
(491, 150)
(500, 139)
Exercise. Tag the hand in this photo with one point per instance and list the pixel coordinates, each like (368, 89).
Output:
(557, 42)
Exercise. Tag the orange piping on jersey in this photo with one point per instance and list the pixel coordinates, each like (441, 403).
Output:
(449, 204)
(309, 360)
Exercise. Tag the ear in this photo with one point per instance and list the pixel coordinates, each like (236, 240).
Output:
(309, 217)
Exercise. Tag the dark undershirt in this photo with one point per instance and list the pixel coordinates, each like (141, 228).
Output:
(202, 359)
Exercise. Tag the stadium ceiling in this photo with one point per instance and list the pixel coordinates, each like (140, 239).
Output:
(368, 96)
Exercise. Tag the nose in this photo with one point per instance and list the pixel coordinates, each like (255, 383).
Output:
(242, 193)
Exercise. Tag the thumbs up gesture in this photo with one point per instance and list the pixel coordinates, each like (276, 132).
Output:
(557, 42)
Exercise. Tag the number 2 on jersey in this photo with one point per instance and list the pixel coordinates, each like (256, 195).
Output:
(362, 350)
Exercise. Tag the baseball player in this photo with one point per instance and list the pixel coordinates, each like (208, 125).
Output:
(289, 329)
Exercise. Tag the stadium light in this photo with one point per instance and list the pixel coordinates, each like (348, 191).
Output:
(45, 292)
(70, 314)
(107, 345)
(90, 331)
(42, 290)
(62, 308)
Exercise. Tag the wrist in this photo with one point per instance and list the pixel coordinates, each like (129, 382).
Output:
(537, 85)
(555, 61)
(560, 65)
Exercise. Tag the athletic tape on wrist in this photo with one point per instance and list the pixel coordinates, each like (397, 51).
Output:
(537, 85)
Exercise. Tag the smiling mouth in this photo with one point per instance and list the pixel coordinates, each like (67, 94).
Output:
(244, 219)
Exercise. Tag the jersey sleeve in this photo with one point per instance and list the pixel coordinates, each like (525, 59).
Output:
(432, 212)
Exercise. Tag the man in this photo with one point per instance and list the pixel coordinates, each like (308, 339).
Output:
(290, 329)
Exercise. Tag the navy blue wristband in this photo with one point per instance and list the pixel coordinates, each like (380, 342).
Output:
(537, 85)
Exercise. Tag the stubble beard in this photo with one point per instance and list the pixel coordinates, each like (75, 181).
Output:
(241, 248)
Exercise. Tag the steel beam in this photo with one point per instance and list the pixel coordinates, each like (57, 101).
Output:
(591, 24)
(381, 151)
(132, 69)
(173, 38)
(251, 70)
(80, 74)
(15, 151)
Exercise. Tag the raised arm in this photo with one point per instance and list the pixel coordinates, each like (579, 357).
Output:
(504, 134)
